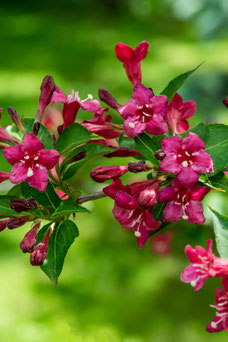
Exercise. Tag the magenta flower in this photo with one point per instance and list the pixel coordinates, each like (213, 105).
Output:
(178, 112)
(144, 112)
(31, 162)
(132, 59)
(72, 103)
(132, 207)
(183, 203)
(102, 173)
(101, 125)
(220, 321)
(203, 265)
(186, 159)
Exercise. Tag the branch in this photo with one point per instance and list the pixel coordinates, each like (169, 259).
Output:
(90, 197)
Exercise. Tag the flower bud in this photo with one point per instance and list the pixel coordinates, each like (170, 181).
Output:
(148, 197)
(29, 241)
(107, 98)
(159, 155)
(36, 127)
(102, 173)
(79, 156)
(39, 254)
(136, 167)
(19, 204)
(47, 88)
(3, 225)
(225, 101)
(16, 222)
(4, 176)
(16, 119)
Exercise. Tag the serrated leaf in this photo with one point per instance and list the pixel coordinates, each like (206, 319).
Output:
(147, 145)
(68, 207)
(221, 232)
(73, 136)
(218, 182)
(47, 198)
(61, 239)
(173, 86)
(43, 133)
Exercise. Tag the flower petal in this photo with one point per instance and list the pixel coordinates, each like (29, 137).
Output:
(198, 193)
(169, 164)
(31, 144)
(171, 144)
(90, 106)
(166, 194)
(141, 50)
(13, 154)
(48, 158)
(159, 104)
(156, 125)
(172, 212)
(39, 180)
(193, 143)
(18, 173)
(133, 127)
(129, 109)
(142, 95)
(124, 200)
(188, 177)
(194, 211)
(202, 162)
(123, 52)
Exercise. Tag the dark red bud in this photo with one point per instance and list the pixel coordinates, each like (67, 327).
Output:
(16, 222)
(19, 204)
(159, 155)
(102, 173)
(225, 101)
(16, 119)
(47, 88)
(3, 225)
(123, 152)
(39, 254)
(79, 156)
(36, 127)
(136, 167)
(29, 241)
(107, 98)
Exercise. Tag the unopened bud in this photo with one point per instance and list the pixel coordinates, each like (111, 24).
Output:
(79, 156)
(3, 225)
(19, 204)
(102, 173)
(16, 119)
(16, 222)
(136, 167)
(29, 241)
(47, 88)
(225, 101)
(39, 254)
(107, 98)
(36, 127)
(4, 176)
(159, 155)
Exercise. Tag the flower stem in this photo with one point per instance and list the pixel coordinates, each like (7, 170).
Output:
(90, 197)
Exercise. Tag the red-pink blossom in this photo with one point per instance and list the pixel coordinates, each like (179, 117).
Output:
(204, 264)
(161, 243)
(183, 203)
(178, 112)
(131, 59)
(72, 103)
(102, 173)
(133, 204)
(144, 112)
(31, 162)
(220, 322)
(187, 158)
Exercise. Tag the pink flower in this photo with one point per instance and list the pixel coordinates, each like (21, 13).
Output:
(102, 126)
(144, 112)
(31, 162)
(161, 243)
(186, 159)
(220, 321)
(132, 59)
(72, 103)
(178, 112)
(203, 265)
(132, 207)
(183, 203)
(102, 173)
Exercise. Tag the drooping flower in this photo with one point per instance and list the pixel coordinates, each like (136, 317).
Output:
(28, 243)
(144, 112)
(101, 125)
(131, 59)
(186, 159)
(31, 162)
(178, 112)
(102, 173)
(220, 322)
(39, 253)
(183, 203)
(72, 103)
(133, 204)
(204, 264)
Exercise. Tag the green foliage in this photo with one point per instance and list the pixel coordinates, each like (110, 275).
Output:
(5, 209)
(68, 207)
(221, 233)
(173, 86)
(73, 136)
(60, 241)
(147, 145)
(43, 133)
(218, 182)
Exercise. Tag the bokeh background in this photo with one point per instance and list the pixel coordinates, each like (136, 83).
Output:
(109, 290)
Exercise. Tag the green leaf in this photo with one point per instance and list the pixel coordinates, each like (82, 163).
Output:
(92, 151)
(216, 140)
(158, 216)
(42, 232)
(47, 198)
(73, 136)
(147, 145)
(68, 207)
(200, 130)
(15, 191)
(221, 232)
(218, 182)
(5, 209)
(43, 134)
(173, 86)
(127, 142)
(60, 241)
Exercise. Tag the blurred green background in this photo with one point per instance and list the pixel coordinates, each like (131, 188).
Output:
(110, 291)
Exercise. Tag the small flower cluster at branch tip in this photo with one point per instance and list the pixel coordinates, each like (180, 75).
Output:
(39, 253)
